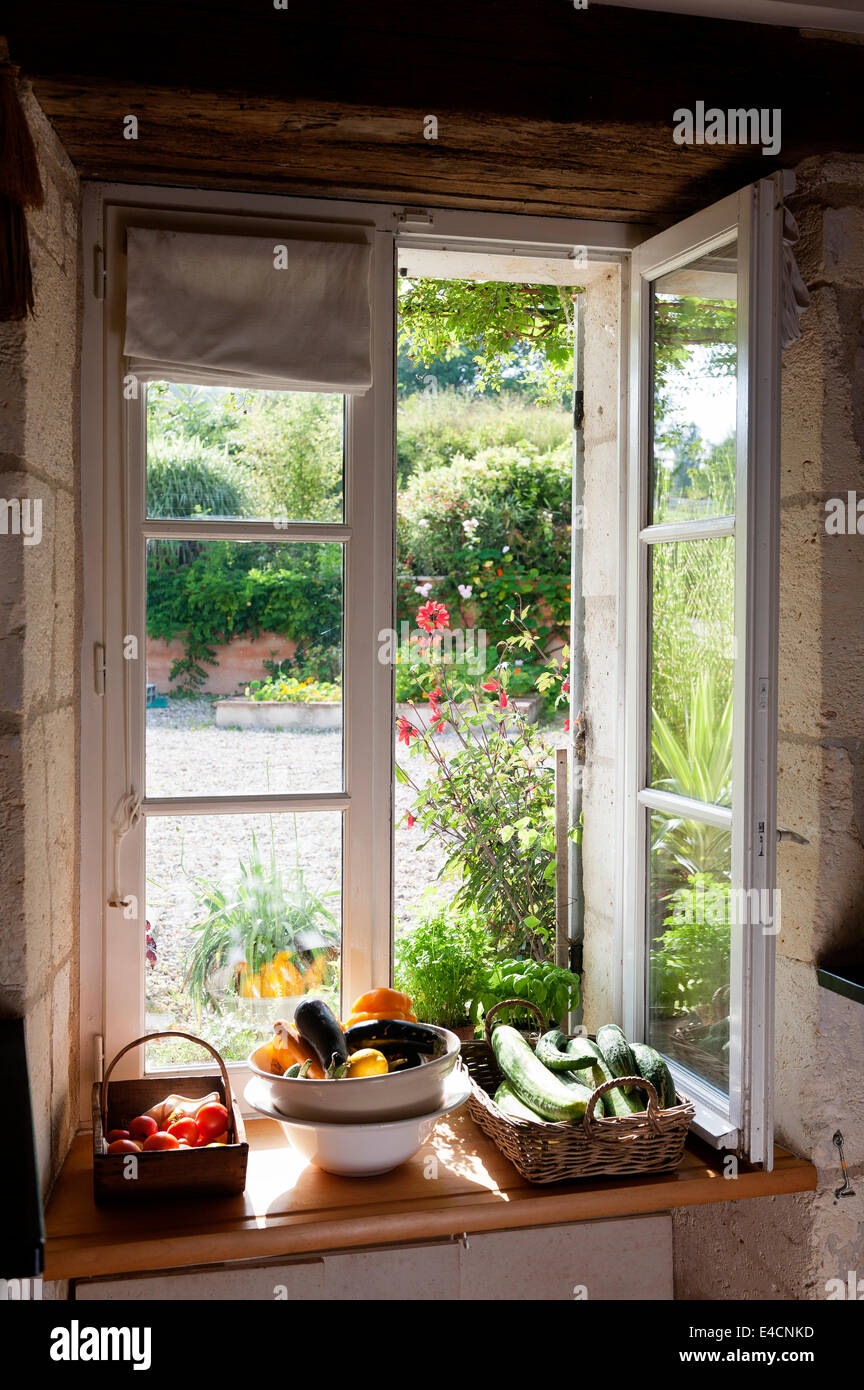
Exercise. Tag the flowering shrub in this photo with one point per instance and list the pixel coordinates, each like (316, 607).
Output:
(491, 800)
(290, 688)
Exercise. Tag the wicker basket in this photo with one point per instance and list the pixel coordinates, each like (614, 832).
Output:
(649, 1142)
(165, 1173)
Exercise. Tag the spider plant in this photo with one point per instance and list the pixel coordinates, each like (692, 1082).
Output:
(267, 935)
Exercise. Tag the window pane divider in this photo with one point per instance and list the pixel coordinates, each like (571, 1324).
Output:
(225, 530)
(264, 802)
(670, 804)
(688, 530)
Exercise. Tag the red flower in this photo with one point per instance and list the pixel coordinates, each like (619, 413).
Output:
(565, 688)
(491, 685)
(432, 615)
(409, 820)
(566, 726)
(406, 731)
(502, 699)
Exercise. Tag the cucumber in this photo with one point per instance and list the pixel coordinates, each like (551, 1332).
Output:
(591, 1077)
(507, 1100)
(655, 1070)
(617, 1052)
(559, 1055)
(533, 1083)
(617, 1101)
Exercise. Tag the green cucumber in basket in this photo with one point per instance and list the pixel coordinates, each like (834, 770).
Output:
(559, 1054)
(655, 1070)
(507, 1100)
(617, 1052)
(591, 1077)
(616, 1102)
(533, 1083)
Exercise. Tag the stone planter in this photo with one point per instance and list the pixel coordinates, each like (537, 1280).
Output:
(239, 712)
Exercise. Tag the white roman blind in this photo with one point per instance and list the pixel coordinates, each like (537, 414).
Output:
(267, 312)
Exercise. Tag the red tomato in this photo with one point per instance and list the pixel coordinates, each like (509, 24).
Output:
(123, 1146)
(142, 1127)
(185, 1129)
(118, 1134)
(212, 1120)
(160, 1140)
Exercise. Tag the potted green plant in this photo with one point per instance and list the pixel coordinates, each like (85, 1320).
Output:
(267, 936)
(441, 964)
(554, 990)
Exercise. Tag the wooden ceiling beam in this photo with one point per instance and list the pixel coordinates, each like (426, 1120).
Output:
(541, 108)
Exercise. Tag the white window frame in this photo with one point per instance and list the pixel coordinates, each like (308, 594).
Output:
(116, 527)
(112, 1001)
(754, 216)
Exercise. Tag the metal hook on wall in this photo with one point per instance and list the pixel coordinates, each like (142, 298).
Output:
(847, 1190)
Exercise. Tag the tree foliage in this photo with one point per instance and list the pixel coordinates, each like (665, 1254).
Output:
(512, 329)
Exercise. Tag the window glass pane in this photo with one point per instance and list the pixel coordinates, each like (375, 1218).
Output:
(694, 326)
(244, 918)
(690, 913)
(692, 632)
(265, 455)
(244, 667)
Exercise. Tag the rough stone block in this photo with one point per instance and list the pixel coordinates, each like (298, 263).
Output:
(66, 626)
(37, 881)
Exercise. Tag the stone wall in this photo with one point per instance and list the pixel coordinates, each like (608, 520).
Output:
(39, 636)
(790, 1248)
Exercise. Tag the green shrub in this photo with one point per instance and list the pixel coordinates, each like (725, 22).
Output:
(506, 495)
(291, 446)
(690, 960)
(235, 587)
(432, 427)
(187, 478)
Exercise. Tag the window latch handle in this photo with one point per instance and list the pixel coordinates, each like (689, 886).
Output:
(790, 837)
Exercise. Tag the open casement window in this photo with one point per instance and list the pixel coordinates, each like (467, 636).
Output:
(699, 909)
(291, 839)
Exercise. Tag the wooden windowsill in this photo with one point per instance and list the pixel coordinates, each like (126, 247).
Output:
(289, 1208)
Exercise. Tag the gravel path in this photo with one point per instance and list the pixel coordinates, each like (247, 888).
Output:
(188, 755)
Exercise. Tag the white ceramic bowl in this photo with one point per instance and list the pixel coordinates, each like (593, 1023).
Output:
(353, 1150)
(400, 1095)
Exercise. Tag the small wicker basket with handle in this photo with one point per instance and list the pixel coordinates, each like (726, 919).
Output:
(650, 1141)
(165, 1173)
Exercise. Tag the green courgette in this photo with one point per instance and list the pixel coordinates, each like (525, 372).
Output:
(591, 1077)
(655, 1070)
(616, 1102)
(533, 1083)
(617, 1052)
(507, 1100)
(558, 1054)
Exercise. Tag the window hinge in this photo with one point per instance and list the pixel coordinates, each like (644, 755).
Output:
(98, 1056)
(414, 217)
(99, 668)
(100, 274)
